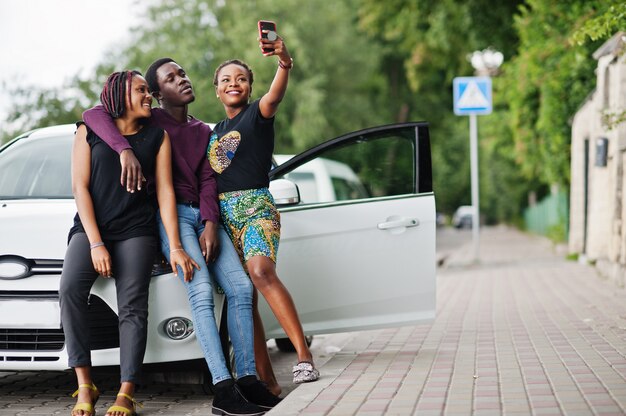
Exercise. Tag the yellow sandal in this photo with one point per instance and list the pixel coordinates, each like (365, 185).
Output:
(87, 407)
(125, 410)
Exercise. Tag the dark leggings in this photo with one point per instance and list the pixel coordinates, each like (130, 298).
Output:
(132, 267)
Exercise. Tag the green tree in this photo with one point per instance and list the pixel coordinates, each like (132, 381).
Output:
(544, 85)
(608, 17)
(334, 88)
(40, 107)
(426, 46)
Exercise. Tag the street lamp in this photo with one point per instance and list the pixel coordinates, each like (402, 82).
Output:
(486, 62)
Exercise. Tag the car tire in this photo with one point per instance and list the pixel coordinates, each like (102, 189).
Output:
(285, 345)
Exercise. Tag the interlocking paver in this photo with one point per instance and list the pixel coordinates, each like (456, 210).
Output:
(47, 393)
(522, 332)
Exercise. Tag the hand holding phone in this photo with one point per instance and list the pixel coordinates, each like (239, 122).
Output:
(267, 30)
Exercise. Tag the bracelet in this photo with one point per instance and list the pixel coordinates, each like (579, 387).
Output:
(175, 250)
(96, 245)
(286, 66)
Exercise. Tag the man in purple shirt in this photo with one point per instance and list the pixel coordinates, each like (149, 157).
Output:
(198, 217)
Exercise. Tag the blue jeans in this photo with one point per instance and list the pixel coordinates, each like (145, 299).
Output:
(229, 274)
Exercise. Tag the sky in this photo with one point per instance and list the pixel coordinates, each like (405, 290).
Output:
(44, 42)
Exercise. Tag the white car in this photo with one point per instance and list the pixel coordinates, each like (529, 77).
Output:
(358, 260)
(324, 180)
(462, 217)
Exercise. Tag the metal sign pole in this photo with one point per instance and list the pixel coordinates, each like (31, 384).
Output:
(474, 178)
(472, 97)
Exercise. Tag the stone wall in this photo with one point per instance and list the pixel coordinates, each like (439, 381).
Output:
(599, 234)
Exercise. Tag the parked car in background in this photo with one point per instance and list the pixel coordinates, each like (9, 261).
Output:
(324, 180)
(462, 217)
(361, 255)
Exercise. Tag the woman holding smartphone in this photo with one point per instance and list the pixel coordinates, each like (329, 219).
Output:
(240, 152)
(114, 236)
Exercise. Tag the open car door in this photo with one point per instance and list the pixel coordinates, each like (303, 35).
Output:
(358, 250)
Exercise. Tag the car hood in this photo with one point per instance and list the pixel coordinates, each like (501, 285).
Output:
(35, 229)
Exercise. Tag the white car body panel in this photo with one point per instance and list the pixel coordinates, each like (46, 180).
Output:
(48, 223)
(348, 262)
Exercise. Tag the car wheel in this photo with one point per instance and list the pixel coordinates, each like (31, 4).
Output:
(285, 345)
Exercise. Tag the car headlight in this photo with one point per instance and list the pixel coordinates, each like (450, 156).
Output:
(178, 328)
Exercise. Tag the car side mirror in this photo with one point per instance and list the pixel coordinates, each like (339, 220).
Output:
(284, 192)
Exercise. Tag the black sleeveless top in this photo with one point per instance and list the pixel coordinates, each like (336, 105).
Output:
(120, 214)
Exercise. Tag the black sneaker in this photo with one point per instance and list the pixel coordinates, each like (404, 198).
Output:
(228, 401)
(254, 391)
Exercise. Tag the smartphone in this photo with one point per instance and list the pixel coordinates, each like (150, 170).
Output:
(267, 25)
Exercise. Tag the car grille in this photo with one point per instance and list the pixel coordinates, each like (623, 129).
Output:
(103, 324)
(31, 339)
(29, 295)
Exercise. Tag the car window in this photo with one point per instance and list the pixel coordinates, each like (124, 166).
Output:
(37, 168)
(371, 167)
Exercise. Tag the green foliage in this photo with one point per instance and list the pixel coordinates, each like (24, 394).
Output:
(610, 119)
(609, 16)
(36, 107)
(503, 190)
(544, 84)
(419, 34)
(557, 233)
(333, 88)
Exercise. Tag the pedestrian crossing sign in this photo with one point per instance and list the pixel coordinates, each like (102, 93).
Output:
(472, 95)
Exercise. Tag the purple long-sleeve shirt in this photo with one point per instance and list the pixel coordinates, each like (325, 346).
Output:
(194, 179)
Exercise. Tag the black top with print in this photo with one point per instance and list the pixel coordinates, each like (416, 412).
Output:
(240, 150)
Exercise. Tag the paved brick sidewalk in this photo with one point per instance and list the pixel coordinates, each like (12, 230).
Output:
(46, 393)
(522, 332)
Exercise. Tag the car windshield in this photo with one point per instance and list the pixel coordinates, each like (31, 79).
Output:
(37, 168)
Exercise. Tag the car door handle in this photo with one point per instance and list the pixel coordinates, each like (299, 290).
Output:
(397, 223)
